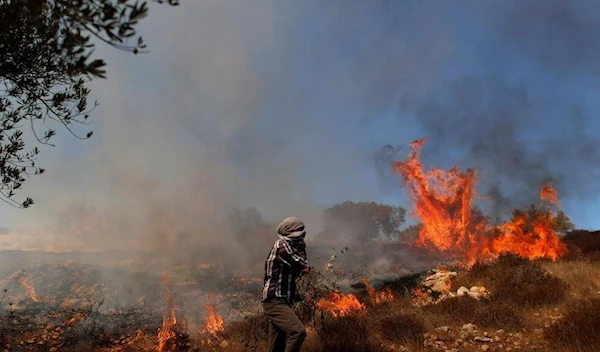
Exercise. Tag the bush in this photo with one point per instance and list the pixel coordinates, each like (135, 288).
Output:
(578, 329)
(582, 242)
(249, 331)
(516, 281)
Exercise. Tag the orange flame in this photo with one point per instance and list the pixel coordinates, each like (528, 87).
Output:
(378, 297)
(443, 200)
(339, 304)
(29, 290)
(549, 194)
(214, 322)
(167, 334)
(74, 319)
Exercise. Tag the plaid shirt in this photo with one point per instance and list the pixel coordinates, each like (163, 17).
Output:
(284, 264)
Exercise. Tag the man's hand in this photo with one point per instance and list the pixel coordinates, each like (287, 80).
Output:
(307, 269)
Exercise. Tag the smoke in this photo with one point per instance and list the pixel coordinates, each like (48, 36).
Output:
(280, 106)
(519, 111)
(236, 106)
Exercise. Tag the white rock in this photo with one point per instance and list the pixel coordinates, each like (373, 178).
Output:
(443, 328)
(474, 289)
(462, 291)
(475, 295)
(482, 339)
(469, 327)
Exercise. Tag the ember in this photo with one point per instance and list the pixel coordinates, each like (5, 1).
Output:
(339, 304)
(443, 200)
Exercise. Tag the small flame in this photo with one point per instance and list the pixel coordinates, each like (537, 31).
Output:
(29, 290)
(549, 194)
(167, 334)
(339, 304)
(214, 322)
(74, 319)
(378, 297)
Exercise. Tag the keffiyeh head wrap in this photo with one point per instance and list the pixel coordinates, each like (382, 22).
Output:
(292, 229)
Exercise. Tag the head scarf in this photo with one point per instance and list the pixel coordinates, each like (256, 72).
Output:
(291, 229)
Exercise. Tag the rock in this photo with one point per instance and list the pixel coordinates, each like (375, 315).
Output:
(482, 339)
(497, 339)
(474, 289)
(485, 347)
(475, 294)
(462, 291)
(469, 327)
(438, 282)
(500, 332)
(53, 349)
(443, 328)
(224, 344)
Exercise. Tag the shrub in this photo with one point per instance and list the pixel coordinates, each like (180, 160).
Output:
(249, 331)
(578, 329)
(582, 242)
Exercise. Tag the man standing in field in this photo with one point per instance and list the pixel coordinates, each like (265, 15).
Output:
(286, 262)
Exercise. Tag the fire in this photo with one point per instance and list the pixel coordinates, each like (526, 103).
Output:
(167, 335)
(339, 304)
(443, 200)
(549, 194)
(74, 319)
(29, 290)
(214, 322)
(378, 297)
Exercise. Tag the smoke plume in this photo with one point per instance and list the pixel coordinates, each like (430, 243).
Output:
(281, 106)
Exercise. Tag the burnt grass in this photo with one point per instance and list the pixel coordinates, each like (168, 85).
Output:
(522, 292)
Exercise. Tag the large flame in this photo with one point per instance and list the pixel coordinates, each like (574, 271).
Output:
(167, 335)
(443, 200)
(378, 297)
(339, 304)
(29, 290)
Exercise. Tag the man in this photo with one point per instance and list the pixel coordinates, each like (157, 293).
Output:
(286, 262)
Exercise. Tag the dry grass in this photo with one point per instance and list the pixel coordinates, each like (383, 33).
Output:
(582, 276)
(579, 329)
(561, 298)
(485, 313)
(517, 282)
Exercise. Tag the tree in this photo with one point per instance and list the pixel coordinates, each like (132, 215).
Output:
(411, 233)
(362, 220)
(46, 63)
(562, 223)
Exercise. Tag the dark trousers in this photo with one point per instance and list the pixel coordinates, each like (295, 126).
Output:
(286, 331)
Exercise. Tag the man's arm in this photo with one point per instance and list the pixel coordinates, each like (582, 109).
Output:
(290, 257)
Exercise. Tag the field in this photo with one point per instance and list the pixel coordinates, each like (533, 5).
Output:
(93, 305)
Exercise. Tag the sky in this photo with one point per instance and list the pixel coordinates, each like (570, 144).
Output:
(286, 105)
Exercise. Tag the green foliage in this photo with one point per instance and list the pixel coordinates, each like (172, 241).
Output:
(46, 63)
(362, 220)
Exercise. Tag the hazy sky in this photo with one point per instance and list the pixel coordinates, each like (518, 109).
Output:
(285, 105)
